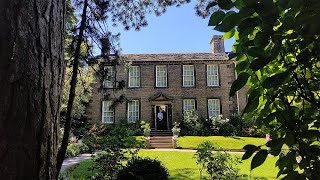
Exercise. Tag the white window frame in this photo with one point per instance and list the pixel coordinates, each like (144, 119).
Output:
(213, 108)
(108, 82)
(134, 76)
(133, 111)
(163, 74)
(212, 76)
(188, 76)
(107, 112)
(189, 104)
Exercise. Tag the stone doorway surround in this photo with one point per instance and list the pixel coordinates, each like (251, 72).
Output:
(160, 100)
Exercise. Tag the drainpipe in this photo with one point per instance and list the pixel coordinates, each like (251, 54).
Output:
(235, 74)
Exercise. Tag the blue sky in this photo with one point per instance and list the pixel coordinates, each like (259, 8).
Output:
(179, 30)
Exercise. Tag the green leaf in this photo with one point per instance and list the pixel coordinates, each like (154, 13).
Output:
(250, 149)
(253, 101)
(216, 18)
(289, 139)
(261, 39)
(275, 80)
(229, 34)
(225, 4)
(211, 5)
(248, 25)
(258, 159)
(258, 63)
(239, 83)
(250, 3)
(242, 66)
(230, 21)
(232, 55)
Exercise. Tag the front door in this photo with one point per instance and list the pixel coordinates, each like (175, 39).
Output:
(161, 117)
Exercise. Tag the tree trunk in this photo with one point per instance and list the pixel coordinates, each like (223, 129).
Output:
(31, 77)
(72, 92)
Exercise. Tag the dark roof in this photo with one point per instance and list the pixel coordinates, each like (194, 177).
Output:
(176, 56)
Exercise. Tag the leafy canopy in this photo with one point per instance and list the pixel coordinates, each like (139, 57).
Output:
(277, 52)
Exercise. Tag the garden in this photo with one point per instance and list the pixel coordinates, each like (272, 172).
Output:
(200, 153)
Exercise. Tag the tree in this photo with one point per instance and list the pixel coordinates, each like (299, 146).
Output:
(93, 27)
(31, 77)
(277, 52)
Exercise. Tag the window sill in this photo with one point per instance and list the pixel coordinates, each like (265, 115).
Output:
(161, 87)
(188, 86)
(213, 87)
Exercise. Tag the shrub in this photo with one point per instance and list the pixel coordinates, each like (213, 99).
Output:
(219, 165)
(143, 169)
(111, 161)
(72, 150)
(83, 148)
(190, 124)
(145, 127)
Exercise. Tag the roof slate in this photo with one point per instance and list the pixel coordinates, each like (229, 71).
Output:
(176, 56)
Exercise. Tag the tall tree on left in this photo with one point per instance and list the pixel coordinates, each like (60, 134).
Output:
(31, 78)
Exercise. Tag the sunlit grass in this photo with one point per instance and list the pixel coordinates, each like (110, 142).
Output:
(235, 143)
(182, 165)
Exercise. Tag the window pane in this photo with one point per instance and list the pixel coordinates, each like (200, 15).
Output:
(188, 75)
(213, 107)
(161, 76)
(189, 104)
(107, 113)
(134, 76)
(133, 111)
(109, 78)
(212, 75)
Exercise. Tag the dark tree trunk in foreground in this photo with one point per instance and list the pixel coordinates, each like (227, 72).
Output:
(31, 77)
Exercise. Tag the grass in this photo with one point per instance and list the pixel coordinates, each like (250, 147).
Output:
(235, 143)
(182, 165)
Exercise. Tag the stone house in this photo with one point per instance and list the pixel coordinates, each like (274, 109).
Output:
(160, 87)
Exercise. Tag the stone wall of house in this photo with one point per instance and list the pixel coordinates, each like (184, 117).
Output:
(174, 90)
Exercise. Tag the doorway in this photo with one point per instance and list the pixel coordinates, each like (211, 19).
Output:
(161, 117)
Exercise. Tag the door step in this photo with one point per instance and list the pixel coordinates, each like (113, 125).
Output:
(161, 142)
(161, 133)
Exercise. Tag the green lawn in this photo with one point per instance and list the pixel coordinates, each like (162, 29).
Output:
(182, 165)
(222, 141)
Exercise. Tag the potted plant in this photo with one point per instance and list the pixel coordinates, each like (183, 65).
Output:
(176, 129)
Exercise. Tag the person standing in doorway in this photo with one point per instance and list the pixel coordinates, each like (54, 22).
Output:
(161, 116)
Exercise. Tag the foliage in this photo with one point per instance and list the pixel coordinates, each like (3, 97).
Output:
(219, 165)
(143, 169)
(111, 161)
(192, 124)
(72, 150)
(277, 52)
(182, 165)
(115, 141)
(235, 126)
(145, 128)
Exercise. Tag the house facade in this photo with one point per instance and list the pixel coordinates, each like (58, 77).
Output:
(160, 87)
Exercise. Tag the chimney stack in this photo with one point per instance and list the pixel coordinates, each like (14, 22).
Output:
(217, 44)
(105, 46)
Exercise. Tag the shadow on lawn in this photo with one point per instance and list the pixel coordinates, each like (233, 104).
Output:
(246, 177)
(188, 174)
